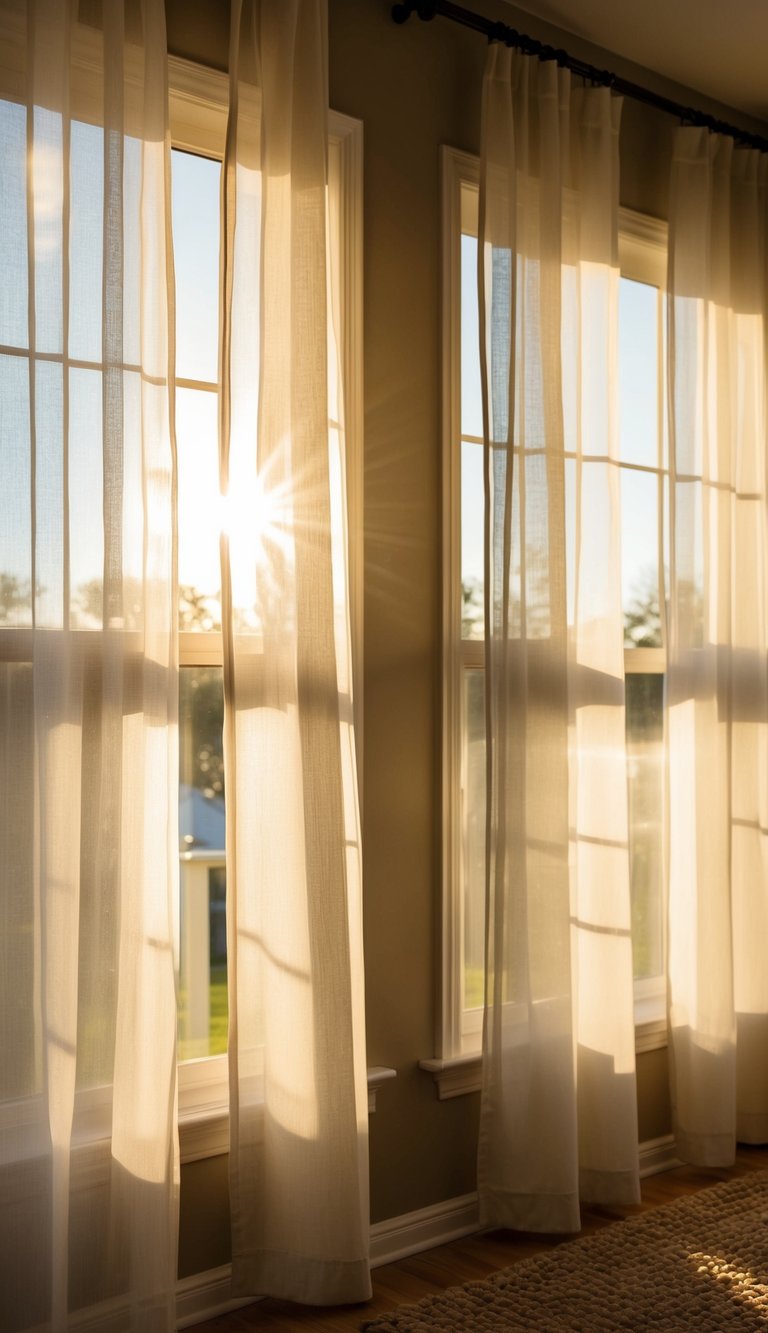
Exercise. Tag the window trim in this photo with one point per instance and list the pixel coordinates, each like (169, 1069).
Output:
(642, 257)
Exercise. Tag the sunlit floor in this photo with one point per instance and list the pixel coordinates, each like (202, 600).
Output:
(467, 1260)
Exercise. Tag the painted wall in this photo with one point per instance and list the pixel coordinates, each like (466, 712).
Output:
(414, 88)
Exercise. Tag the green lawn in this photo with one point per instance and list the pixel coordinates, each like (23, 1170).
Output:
(216, 1044)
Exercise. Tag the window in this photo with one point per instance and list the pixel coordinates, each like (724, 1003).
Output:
(198, 104)
(643, 464)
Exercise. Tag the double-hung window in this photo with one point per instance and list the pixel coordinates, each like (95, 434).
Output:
(643, 467)
(198, 115)
(199, 105)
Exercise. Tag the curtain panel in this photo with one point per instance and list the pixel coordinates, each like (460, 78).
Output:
(89, 677)
(298, 1094)
(717, 705)
(558, 1118)
(88, 672)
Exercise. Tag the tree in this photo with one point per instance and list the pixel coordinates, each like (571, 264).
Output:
(642, 617)
(471, 608)
(14, 598)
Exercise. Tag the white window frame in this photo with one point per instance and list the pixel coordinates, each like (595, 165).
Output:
(642, 252)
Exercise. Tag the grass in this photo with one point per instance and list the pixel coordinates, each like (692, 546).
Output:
(194, 1048)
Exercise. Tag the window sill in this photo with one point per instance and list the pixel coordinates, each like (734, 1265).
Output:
(204, 1129)
(455, 1077)
(650, 1035)
(462, 1074)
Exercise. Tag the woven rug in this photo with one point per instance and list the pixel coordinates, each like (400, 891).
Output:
(700, 1264)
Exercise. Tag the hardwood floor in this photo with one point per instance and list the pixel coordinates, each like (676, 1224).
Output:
(466, 1260)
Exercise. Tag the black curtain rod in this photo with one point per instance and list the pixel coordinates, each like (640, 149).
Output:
(500, 32)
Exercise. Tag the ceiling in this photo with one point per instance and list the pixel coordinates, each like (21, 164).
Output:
(719, 47)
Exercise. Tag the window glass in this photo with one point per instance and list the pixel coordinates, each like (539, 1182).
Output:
(198, 465)
(202, 879)
(638, 373)
(473, 837)
(471, 398)
(472, 503)
(645, 770)
(640, 558)
(196, 264)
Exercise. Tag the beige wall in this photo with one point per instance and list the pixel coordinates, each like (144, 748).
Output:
(414, 88)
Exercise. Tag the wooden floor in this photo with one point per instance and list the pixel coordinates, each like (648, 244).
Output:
(466, 1260)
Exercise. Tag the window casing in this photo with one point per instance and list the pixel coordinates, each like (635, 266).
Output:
(642, 253)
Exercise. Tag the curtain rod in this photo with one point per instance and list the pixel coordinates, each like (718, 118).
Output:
(501, 32)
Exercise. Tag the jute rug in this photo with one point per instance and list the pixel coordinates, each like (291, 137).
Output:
(700, 1264)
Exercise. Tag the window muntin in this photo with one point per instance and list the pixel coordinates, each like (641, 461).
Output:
(644, 487)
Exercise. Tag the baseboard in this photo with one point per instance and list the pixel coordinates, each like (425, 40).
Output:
(205, 1295)
(397, 1237)
(658, 1155)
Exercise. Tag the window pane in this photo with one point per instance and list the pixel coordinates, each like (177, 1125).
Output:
(199, 566)
(196, 261)
(473, 836)
(13, 224)
(471, 399)
(640, 559)
(472, 510)
(86, 241)
(638, 373)
(203, 938)
(86, 497)
(645, 771)
(15, 482)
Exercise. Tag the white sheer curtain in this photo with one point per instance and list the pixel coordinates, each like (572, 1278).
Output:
(88, 678)
(298, 1101)
(558, 1119)
(717, 682)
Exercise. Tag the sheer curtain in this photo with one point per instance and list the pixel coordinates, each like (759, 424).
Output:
(88, 676)
(298, 1099)
(558, 1119)
(717, 681)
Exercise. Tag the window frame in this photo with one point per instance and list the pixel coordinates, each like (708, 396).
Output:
(642, 258)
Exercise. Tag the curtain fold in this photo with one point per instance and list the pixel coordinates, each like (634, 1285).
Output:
(717, 683)
(558, 1117)
(88, 677)
(298, 1098)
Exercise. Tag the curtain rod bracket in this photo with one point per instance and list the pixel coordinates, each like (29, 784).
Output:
(426, 10)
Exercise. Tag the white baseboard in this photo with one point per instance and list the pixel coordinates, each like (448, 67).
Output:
(397, 1237)
(658, 1155)
(205, 1295)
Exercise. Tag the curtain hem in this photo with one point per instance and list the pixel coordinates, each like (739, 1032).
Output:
(291, 1277)
(610, 1188)
(705, 1149)
(552, 1213)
